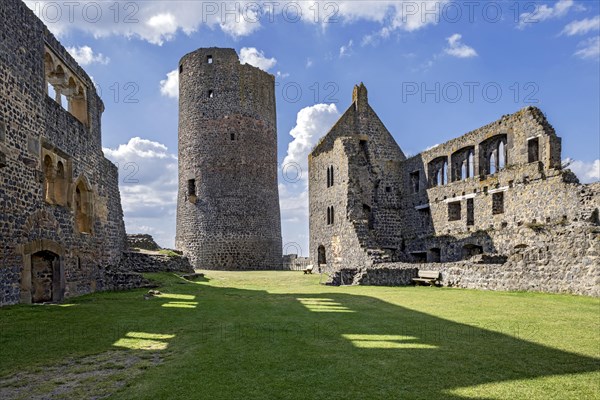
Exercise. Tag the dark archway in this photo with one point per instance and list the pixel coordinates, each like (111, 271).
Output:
(45, 273)
(321, 258)
(470, 250)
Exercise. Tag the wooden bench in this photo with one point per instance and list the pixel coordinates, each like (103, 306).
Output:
(308, 269)
(427, 277)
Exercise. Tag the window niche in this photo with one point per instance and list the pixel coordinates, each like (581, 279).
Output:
(462, 164)
(415, 180)
(493, 155)
(65, 87)
(533, 150)
(83, 207)
(436, 170)
(498, 203)
(191, 191)
(454, 211)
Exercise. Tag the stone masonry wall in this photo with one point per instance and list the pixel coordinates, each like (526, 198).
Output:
(33, 125)
(228, 213)
(140, 262)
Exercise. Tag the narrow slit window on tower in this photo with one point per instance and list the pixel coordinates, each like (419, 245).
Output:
(191, 187)
(211, 94)
(180, 69)
(209, 59)
(233, 136)
(331, 174)
(332, 214)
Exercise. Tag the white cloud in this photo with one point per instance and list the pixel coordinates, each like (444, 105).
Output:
(589, 48)
(245, 22)
(170, 87)
(160, 21)
(587, 172)
(309, 63)
(163, 27)
(346, 49)
(582, 27)
(312, 123)
(148, 185)
(252, 56)
(84, 55)
(539, 13)
(458, 49)
(282, 75)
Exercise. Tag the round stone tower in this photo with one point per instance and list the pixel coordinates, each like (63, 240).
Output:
(228, 204)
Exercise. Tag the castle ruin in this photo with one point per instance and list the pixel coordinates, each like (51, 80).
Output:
(61, 221)
(490, 209)
(228, 203)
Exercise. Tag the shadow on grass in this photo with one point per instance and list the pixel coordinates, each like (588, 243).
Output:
(233, 343)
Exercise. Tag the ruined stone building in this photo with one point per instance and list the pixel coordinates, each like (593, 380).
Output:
(228, 205)
(61, 221)
(490, 209)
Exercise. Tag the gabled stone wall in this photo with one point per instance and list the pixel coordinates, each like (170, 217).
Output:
(499, 191)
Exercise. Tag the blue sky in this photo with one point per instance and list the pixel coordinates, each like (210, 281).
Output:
(434, 70)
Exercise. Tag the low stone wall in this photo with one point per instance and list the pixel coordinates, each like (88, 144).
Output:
(124, 280)
(291, 262)
(142, 262)
(515, 275)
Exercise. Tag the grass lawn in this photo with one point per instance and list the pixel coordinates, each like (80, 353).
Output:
(281, 335)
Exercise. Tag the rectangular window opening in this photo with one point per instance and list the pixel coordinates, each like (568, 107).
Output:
(498, 203)
(470, 212)
(454, 211)
(415, 181)
(209, 59)
(533, 150)
(191, 187)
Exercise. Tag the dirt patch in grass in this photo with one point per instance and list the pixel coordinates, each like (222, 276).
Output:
(92, 377)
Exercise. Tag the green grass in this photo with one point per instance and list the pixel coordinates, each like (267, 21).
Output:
(281, 335)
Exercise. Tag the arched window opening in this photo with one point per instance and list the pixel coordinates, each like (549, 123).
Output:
(492, 163)
(48, 180)
(501, 156)
(471, 161)
(83, 217)
(321, 257)
(445, 173)
(60, 184)
(461, 161)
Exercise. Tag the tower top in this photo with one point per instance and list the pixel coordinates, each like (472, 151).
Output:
(360, 97)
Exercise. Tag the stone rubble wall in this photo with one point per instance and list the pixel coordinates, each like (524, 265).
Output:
(141, 262)
(141, 241)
